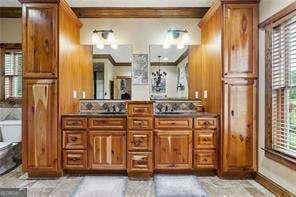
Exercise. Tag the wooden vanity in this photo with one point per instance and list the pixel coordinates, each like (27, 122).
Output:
(140, 142)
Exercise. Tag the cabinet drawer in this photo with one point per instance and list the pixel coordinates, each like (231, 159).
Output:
(140, 123)
(205, 123)
(107, 123)
(140, 162)
(140, 140)
(140, 109)
(205, 159)
(173, 123)
(75, 159)
(74, 139)
(204, 139)
(74, 123)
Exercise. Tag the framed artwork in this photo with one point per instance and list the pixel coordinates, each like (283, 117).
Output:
(140, 69)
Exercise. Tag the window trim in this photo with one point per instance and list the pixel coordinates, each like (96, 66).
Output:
(268, 25)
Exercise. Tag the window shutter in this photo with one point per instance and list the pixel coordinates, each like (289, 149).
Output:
(284, 87)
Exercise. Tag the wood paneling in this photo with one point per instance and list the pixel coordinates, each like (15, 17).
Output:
(211, 71)
(140, 12)
(40, 40)
(107, 150)
(240, 118)
(173, 149)
(240, 38)
(194, 71)
(39, 132)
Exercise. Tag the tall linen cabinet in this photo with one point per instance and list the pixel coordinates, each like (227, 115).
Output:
(229, 37)
(53, 57)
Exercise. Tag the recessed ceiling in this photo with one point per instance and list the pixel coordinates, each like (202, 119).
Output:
(124, 3)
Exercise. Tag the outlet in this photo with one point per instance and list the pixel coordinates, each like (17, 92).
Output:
(196, 94)
(74, 94)
(205, 94)
(83, 95)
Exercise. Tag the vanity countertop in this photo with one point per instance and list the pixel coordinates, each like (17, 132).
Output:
(190, 114)
(97, 115)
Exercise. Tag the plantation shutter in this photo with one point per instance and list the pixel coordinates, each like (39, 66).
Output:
(284, 87)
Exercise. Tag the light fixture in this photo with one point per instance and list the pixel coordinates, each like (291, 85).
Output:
(100, 46)
(185, 37)
(176, 36)
(101, 37)
(180, 46)
(114, 46)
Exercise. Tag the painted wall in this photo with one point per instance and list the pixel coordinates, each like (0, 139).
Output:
(10, 30)
(140, 33)
(278, 173)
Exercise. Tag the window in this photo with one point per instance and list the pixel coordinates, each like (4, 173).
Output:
(280, 85)
(12, 74)
(284, 87)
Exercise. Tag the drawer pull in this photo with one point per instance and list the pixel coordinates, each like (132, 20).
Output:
(172, 165)
(73, 139)
(137, 142)
(74, 159)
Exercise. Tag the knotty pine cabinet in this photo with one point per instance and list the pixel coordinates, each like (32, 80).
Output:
(49, 30)
(229, 38)
(40, 125)
(173, 149)
(107, 150)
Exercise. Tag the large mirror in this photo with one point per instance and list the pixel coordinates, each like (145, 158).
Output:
(112, 72)
(168, 72)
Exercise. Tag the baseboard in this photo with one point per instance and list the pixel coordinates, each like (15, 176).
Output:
(272, 186)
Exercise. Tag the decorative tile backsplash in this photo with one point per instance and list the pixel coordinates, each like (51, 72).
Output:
(101, 106)
(185, 106)
(7, 113)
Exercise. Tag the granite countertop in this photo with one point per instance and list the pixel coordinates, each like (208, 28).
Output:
(190, 114)
(98, 114)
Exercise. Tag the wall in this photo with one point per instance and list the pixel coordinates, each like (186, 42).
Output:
(10, 30)
(140, 33)
(278, 173)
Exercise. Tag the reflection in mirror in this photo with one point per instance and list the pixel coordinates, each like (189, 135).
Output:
(112, 72)
(168, 72)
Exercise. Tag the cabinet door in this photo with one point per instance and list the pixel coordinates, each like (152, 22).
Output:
(173, 149)
(239, 133)
(107, 150)
(241, 40)
(40, 40)
(40, 135)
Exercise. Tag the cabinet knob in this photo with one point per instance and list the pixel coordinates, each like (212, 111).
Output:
(74, 138)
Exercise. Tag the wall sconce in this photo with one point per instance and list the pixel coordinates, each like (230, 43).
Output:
(99, 37)
(173, 35)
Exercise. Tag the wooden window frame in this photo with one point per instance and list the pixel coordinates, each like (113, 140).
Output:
(268, 25)
(12, 101)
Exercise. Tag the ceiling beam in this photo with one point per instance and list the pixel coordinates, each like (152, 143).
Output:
(140, 12)
(116, 12)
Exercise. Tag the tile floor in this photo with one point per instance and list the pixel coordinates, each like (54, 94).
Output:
(67, 186)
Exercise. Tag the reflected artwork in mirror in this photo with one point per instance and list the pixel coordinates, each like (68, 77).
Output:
(112, 72)
(168, 72)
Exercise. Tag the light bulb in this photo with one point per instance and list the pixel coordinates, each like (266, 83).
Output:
(169, 37)
(185, 37)
(100, 46)
(95, 38)
(180, 46)
(166, 45)
(114, 46)
(111, 38)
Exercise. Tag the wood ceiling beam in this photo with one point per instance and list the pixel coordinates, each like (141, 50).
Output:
(115, 12)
